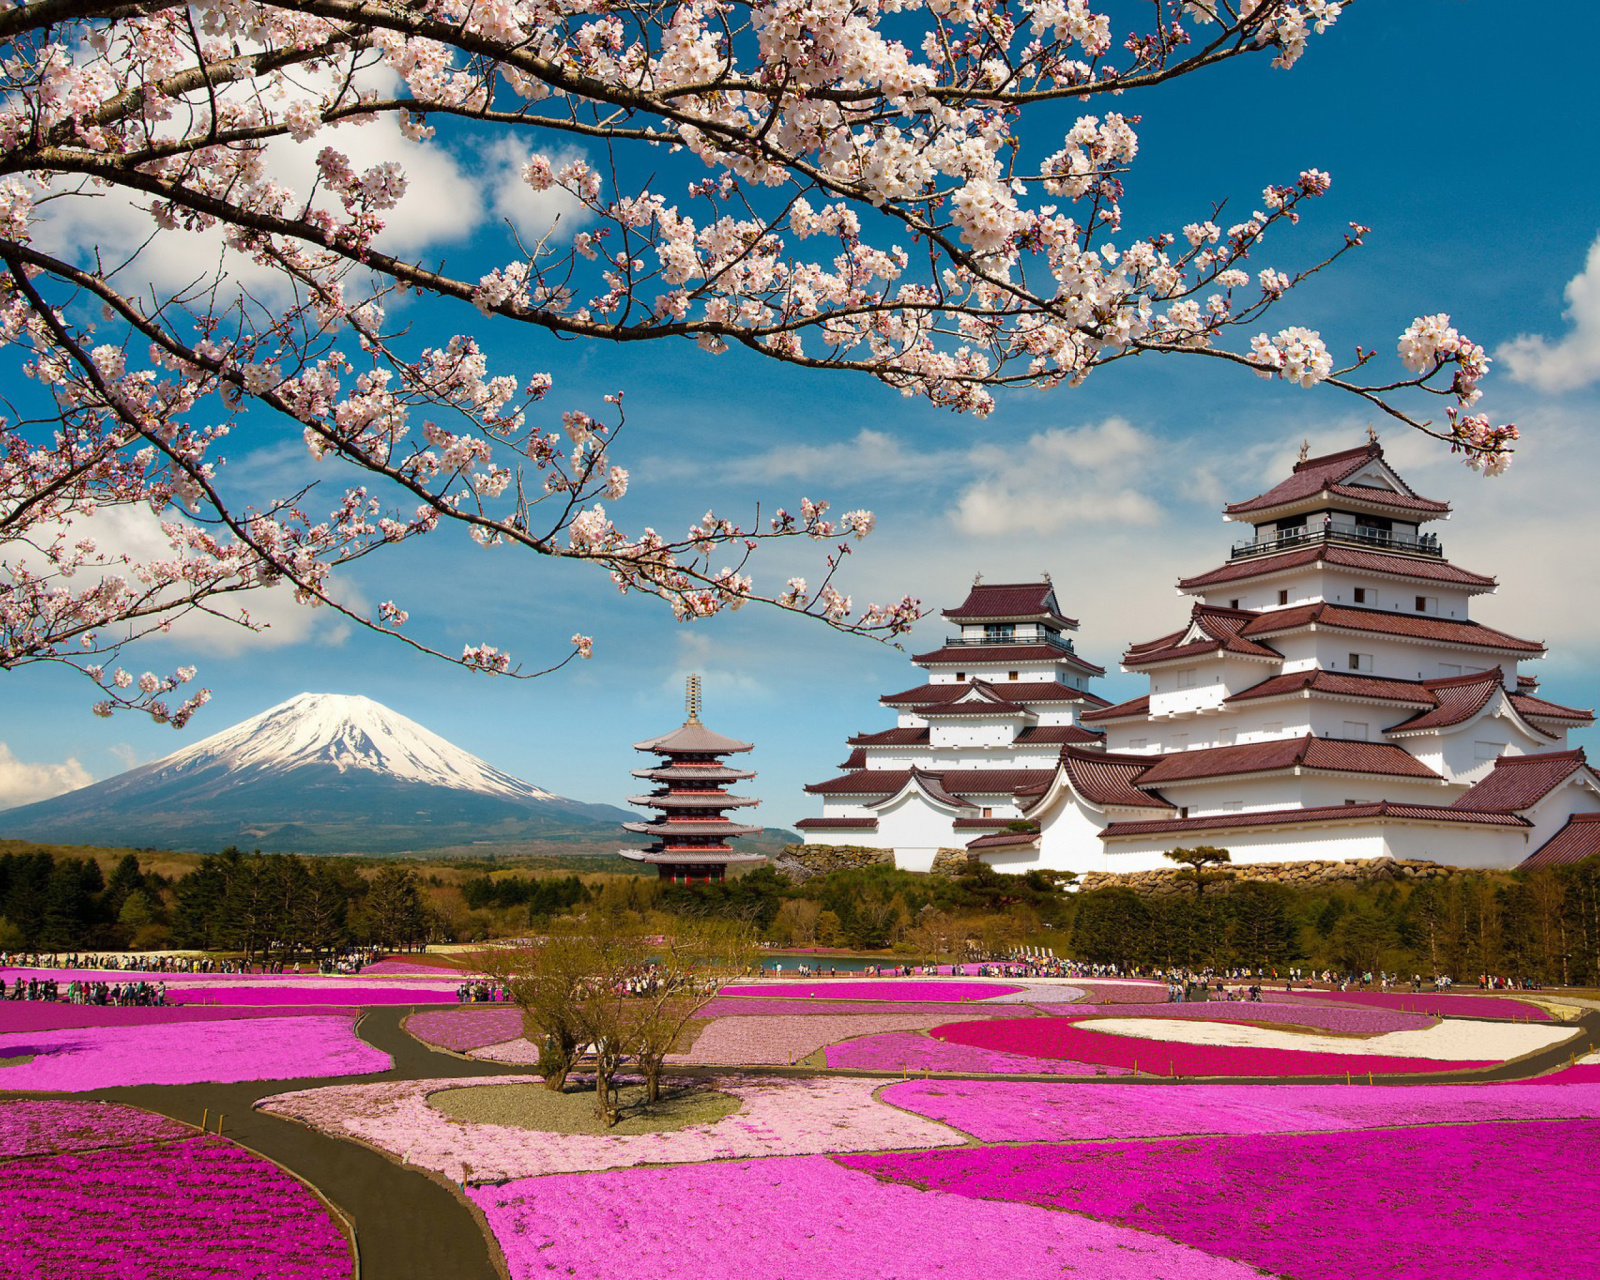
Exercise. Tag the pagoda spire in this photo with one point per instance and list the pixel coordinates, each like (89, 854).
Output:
(691, 699)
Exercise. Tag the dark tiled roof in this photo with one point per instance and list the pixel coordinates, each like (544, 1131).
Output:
(978, 655)
(1340, 557)
(837, 824)
(955, 782)
(1023, 691)
(1010, 600)
(1543, 709)
(1109, 780)
(863, 782)
(1329, 472)
(1458, 699)
(857, 759)
(897, 737)
(1221, 630)
(1321, 815)
(1004, 840)
(995, 782)
(1338, 683)
(983, 824)
(1577, 840)
(1134, 708)
(1337, 755)
(1519, 782)
(1057, 735)
(1418, 626)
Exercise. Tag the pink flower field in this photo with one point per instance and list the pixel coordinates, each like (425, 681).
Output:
(904, 1051)
(808, 1219)
(1061, 1038)
(954, 989)
(1505, 1201)
(782, 1040)
(224, 1050)
(344, 994)
(39, 1015)
(1341, 1018)
(1455, 1005)
(744, 1006)
(469, 1027)
(30, 1127)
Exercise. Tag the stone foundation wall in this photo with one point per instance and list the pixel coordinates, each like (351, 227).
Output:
(950, 862)
(799, 862)
(1302, 875)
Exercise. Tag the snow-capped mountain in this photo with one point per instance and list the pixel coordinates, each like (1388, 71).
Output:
(320, 773)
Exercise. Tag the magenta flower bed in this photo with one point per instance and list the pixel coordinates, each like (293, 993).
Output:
(31, 1127)
(470, 1027)
(902, 1050)
(1020, 1111)
(1348, 1019)
(219, 1051)
(875, 989)
(1061, 1038)
(1493, 1201)
(344, 994)
(196, 1208)
(1459, 1006)
(805, 1218)
(36, 1015)
(744, 1006)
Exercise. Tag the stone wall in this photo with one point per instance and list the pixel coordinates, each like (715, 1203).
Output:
(951, 862)
(800, 862)
(1303, 875)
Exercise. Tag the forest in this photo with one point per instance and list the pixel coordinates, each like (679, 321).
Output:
(1543, 924)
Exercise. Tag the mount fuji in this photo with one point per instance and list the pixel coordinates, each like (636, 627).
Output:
(320, 773)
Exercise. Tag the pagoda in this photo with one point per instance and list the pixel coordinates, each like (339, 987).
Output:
(1328, 698)
(691, 831)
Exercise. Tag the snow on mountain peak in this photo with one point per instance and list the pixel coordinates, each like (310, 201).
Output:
(349, 732)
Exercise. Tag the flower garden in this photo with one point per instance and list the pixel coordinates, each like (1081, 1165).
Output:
(877, 1128)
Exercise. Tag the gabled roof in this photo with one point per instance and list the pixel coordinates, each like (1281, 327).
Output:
(1340, 557)
(1531, 707)
(1210, 630)
(1413, 626)
(1577, 840)
(1330, 474)
(1520, 782)
(1338, 684)
(978, 697)
(1336, 755)
(1108, 780)
(1320, 816)
(1023, 692)
(1458, 699)
(1011, 602)
(978, 655)
(932, 785)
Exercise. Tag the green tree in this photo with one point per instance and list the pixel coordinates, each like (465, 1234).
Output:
(1200, 863)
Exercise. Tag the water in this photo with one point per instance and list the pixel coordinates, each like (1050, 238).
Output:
(791, 961)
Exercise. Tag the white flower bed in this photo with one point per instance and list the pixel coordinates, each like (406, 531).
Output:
(1449, 1040)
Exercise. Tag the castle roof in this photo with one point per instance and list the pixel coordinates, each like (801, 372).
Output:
(1409, 626)
(1328, 475)
(978, 655)
(1133, 709)
(1320, 816)
(1210, 630)
(1011, 602)
(957, 783)
(1334, 755)
(1577, 840)
(1338, 684)
(1381, 564)
(1457, 699)
(837, 824)
(1109, 780)
(1520, 782)
(927, 697)
(1531, 707)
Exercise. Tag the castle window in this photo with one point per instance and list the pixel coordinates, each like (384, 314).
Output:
(999, 631)
(1283, 597)
(1361, 662)
(1361, 595)
(961, 675)
(1011, 675)
(1233, 604)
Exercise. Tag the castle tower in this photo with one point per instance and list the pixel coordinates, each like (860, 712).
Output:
(691, 830)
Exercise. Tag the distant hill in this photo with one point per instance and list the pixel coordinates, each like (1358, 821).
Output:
(321, 773)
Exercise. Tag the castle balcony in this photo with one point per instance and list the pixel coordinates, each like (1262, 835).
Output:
(1045, 642)
(1344, 534)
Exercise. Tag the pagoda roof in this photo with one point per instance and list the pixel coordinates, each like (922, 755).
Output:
(689, 827)
(693, 773)
(1011, 602)
(1133, 709)
(1378, 563)
(1329, 476)
(1320, 816)
(1577, 840)
(1021, 692)
(1339, 684)
(1407, 626)
(675, 857)
(979, 655)
(1520, 782)
(693, 738)
(1210, 630)
(693, 800)
(1334, 755)
(1110, 781)
(837, 824)
(1531, 707)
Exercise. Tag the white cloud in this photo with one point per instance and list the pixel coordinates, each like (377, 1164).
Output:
(127, 753)
(533, 214)
(22, 782)
(1060, 477)
(1571, 361)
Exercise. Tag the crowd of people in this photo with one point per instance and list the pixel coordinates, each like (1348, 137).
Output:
(125, 962)
(119, 994)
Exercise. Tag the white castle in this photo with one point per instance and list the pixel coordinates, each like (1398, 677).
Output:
(1328, 698)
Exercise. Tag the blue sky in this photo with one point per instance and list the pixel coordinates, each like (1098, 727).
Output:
(1448, 127)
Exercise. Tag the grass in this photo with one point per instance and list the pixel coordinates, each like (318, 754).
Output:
(532, 1106)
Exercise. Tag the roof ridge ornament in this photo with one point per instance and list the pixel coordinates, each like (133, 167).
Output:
(1372, 434)
(1305, 450)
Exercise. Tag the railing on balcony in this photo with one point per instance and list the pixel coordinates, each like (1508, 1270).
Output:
(1060, 642)
(1351, 535)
